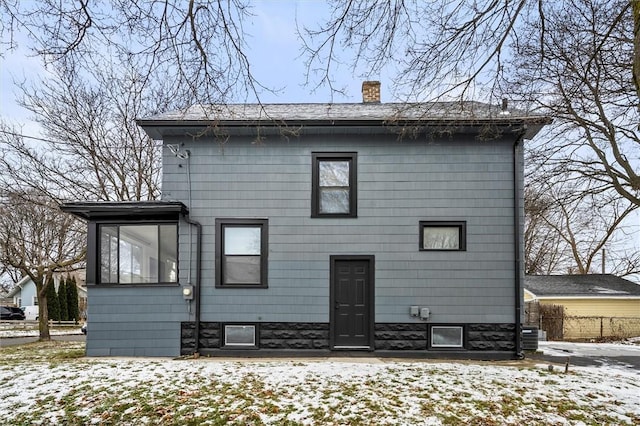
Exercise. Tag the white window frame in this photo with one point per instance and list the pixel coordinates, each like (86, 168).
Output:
(459, 327)
(228, 344)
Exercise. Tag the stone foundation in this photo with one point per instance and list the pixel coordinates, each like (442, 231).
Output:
(294, 335)
(400, 336)
(315, 336)
(491, 337)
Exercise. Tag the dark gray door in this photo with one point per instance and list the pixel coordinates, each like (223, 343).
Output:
(352, 302)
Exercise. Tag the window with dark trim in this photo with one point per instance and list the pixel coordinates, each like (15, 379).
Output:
(443, 236)
(241, 252)
(334, 184)
(140, 253)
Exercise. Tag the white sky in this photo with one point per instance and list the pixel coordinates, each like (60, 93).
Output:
(274, 55)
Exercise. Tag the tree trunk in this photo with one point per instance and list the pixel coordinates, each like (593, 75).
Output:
(43, 313)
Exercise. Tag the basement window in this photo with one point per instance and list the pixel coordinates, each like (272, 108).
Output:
(240, 336)
(446, 337)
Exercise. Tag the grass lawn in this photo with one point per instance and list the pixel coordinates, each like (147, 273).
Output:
(53, 383)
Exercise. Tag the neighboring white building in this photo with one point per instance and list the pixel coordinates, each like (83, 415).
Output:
(24, 292)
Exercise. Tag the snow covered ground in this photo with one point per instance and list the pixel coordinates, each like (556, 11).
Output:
(630, 347)
(8, 330)
(54, 384)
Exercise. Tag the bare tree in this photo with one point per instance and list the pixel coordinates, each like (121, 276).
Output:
(570, 230)
(91, 144)
(544, 251)
(576, 60)
(91, 149)
(198, 46)
(580, 73)
(36, 239)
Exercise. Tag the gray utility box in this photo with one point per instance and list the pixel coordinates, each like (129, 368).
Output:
(530, 338)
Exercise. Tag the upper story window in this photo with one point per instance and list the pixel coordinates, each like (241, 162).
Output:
(241, 252)
(444, 236)
(334, 185)
(138, 253)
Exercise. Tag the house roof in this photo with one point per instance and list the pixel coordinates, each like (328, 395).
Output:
(149, 209)
(592, 285)
(16, 288)
(27, 279)
(342, 114)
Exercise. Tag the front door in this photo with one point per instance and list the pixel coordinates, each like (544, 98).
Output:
(352, 302)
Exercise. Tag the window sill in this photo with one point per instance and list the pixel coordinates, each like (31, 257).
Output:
(334, 216)
(134, 285)
(232, 286)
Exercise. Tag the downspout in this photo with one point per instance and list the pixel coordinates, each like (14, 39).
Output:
(196, 288)
(516, 245)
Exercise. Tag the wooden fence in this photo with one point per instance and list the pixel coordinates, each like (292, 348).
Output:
(559, 326)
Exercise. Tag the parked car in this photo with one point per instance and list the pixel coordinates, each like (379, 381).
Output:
(11, 313)
(31, 313)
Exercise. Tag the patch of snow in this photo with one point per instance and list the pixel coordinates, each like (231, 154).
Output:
(588, 349)
(35, 333)
(317, 391)
(30, 329)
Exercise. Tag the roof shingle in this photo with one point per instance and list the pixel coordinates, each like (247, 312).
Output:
(591, 285)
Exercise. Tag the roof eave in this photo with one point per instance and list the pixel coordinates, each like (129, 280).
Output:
(158, 129)
(112, 210)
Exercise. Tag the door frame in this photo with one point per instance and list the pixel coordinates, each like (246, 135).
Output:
(332, 298)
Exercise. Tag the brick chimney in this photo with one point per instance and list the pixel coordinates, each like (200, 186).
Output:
(370, 92)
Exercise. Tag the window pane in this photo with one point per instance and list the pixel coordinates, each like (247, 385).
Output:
(441, 237)
(446, 336)
(108, 254)
(241, 240)
(334, 173)
(139, 253)
(243, 335)
(168, 253)
(334, 200)
(132, 254)
(241, 269)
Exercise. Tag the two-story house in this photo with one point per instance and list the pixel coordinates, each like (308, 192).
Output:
(315, 229)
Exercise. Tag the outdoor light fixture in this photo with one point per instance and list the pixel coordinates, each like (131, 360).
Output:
(187, 292)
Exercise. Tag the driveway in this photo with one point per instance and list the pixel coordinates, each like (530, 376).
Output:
(589, 354)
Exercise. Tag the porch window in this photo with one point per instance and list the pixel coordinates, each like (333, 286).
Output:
(138, 253)
(443, 236)
(334, 190)
(241, 252)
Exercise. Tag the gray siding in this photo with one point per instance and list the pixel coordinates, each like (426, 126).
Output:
(399, 184)
(135, 321)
